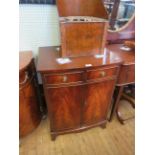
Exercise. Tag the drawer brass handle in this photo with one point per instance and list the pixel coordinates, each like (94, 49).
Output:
(25, 80)
(64, 78)
(103, 74)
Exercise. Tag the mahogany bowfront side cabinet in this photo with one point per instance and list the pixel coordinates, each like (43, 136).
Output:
(80, 76)
(78, 92)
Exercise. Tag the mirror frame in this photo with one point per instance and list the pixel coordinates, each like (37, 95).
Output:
(126, 32)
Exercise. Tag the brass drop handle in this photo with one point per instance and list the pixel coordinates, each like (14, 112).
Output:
(64, 78)
(103, 73)
(25, 80)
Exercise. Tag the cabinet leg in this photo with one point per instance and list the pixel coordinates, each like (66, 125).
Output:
(117, 96)
(53, 137)
(103, 126)
(119, 117)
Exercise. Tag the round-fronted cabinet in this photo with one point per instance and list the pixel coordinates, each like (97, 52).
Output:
(29, 112)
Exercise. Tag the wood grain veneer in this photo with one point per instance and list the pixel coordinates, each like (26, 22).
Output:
(80, 38)
(29, 113)
(83, 27)
(78, 97)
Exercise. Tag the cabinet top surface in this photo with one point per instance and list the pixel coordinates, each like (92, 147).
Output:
(25, 58)
(49, 59)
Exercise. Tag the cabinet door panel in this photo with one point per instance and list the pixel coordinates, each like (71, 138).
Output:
(64, 107)
(98, 97)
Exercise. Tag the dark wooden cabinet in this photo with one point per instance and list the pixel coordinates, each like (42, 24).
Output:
(78, 97)
(76, 105)
(29, 112)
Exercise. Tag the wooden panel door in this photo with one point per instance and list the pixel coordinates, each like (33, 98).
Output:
(97, 101)
(64, 107)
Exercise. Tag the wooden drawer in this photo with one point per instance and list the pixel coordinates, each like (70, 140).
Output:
(127, 74)
(63, 78)
(101, 73)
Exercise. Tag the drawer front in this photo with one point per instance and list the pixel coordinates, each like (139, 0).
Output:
(127, 74)
(102, 73)
(63, 78)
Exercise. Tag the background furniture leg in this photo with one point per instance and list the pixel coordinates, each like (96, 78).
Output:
(103, 126)
(53, 137)
(117, 96)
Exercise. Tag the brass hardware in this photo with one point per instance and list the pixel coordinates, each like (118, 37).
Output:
(103, 73)
(64, 78)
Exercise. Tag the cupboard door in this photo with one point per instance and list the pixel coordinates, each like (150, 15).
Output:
(64, 107)
(97, 101)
